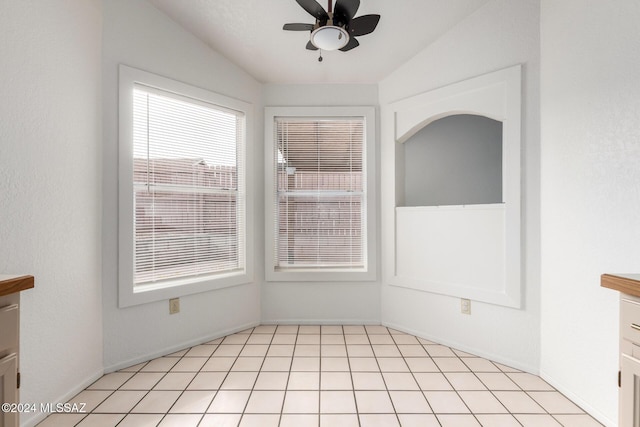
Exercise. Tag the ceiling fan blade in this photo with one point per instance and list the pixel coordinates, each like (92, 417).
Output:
(310, 46)
(353, 43)
(298, 27)
(362, 25)
(345, 10)
(314, 9)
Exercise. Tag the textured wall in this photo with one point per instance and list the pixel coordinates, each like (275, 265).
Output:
(500, 34)
(50, 191)
(138, 35)
(590, 190)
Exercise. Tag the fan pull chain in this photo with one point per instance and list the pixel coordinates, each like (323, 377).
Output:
(320, 58)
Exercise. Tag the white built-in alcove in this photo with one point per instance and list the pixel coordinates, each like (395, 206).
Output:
(451, 190)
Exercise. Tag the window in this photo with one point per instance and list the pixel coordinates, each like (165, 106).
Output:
(183, 196)
(320, 220)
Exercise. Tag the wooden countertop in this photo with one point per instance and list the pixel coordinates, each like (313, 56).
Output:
(625, 283)
(13, 284)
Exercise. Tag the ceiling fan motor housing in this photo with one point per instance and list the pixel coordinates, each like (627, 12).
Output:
(329, 36)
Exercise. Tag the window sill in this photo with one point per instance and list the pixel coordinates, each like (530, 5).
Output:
(320, 275)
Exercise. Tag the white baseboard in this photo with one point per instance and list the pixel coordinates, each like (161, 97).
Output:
(177, 347)
(39, 416)
(595, 413)
(467, 349)
(320, 322)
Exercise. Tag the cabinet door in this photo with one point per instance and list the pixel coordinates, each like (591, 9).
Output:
(630, 392)
(8, 389)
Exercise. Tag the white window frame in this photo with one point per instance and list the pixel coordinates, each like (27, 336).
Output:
(369, 272)
(128, 293)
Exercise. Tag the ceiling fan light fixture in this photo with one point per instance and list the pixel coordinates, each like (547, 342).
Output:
(329, 37)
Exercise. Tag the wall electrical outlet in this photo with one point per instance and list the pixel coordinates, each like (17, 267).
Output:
(465, 306)
(174, 306)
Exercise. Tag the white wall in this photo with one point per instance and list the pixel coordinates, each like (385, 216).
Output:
(50, 193)
(336, 302)
(138, 35)
(590, 104)
(500, 34)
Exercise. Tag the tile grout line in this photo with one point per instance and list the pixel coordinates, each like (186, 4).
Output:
(492, 390)
(246, 405)
(286, 386)
(385, 382)
(457, 391)
(194, 377)
(353, 387)
(413, 373)
(151, 389)
(223, 380)
(125, 414)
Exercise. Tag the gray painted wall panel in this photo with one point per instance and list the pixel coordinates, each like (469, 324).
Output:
(456, 160)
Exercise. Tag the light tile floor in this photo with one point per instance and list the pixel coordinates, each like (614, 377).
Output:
(321, 376)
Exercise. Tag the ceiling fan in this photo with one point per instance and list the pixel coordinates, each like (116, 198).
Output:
(335, 29)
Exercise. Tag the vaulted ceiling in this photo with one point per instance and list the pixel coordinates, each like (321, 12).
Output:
(250, 34)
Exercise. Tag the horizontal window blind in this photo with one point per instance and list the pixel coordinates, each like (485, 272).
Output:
(189, 202)
(320, 193)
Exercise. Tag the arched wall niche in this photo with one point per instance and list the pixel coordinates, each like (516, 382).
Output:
(427, 121)
(454, 160)
(468, 250)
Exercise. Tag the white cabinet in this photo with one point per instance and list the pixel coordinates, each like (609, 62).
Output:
(9, 343)
(10, 288)
(629, 376)
(8, 389)
(629, 361)
(630, 381)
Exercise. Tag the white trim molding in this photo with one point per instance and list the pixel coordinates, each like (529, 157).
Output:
(497, 96)
(128, 293)
(369, 271)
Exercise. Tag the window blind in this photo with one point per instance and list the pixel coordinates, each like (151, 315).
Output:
(189, 201)
(320, 193)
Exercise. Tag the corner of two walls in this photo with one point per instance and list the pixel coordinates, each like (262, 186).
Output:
(498, 35)
(335, 302)
(138, 35)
